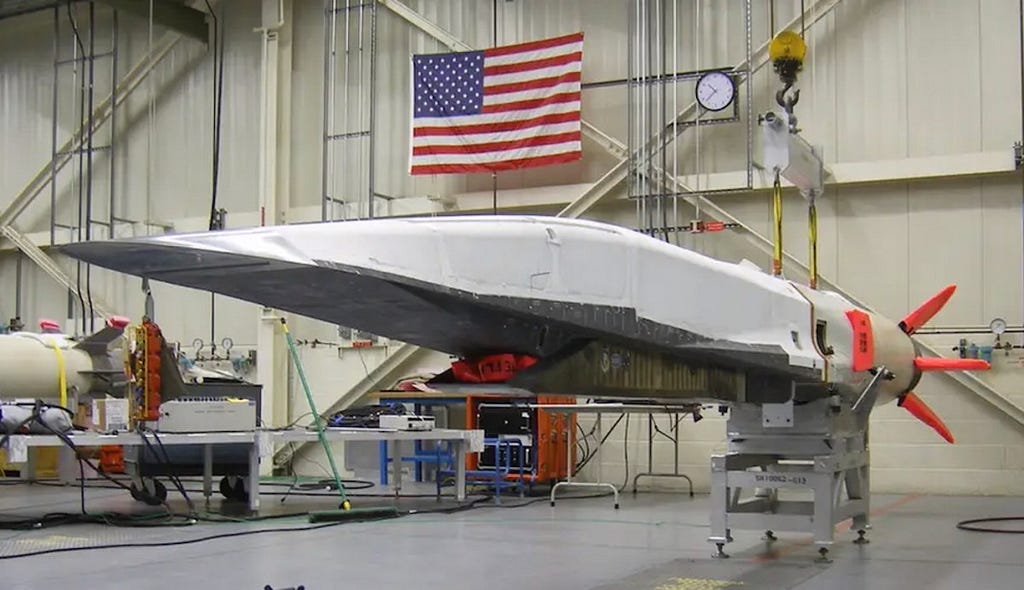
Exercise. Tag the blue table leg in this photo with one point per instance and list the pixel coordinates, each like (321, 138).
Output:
(383, 462)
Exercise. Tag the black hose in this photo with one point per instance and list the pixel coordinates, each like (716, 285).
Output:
(969, 525)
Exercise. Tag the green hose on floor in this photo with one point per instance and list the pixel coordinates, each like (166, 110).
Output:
(346, 506)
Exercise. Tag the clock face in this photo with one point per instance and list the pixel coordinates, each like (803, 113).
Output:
(715, 91)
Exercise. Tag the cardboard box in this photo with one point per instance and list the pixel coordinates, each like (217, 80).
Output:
(110, 414)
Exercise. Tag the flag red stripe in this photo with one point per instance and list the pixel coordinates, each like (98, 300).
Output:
(532, 84)
(496, 146)
(497, 127)
(497, 166)
(533, 45)
(522, 105)
(536, 64)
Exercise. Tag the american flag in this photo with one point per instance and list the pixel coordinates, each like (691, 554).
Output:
(509, 107)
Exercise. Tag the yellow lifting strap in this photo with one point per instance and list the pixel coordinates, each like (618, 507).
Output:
(777, 219)
(62, 374)
(812, 235)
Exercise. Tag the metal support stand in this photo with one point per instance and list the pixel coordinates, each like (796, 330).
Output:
(650, 453)
(207, 472)
(823, 448)
(569, 483)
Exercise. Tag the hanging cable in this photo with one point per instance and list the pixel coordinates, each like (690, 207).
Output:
(216, 219)
(777, 223)
(803, 22)
(88, 174)
(218, 95)
(80, 49)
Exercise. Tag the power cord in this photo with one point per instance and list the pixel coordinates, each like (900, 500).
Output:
(970, 525)
(473, 505)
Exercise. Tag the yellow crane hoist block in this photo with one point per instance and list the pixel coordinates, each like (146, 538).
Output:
(787, 45)
(787, 52)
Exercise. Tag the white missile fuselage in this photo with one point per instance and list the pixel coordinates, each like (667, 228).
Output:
(526, 265)
(38, 365)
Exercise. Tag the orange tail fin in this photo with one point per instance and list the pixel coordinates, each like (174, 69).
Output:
(920, 410)
(944, 364)
(920, 316)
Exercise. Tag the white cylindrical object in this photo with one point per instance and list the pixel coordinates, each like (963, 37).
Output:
(29, 367)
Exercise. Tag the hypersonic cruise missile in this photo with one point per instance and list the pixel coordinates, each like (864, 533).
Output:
(566, 306)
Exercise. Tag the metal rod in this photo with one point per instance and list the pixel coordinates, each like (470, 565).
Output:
(631, 108)
(350, 135)
(349, 7)
(812, 236)
(650, 444)
(663, 78)
(663, 116)
(652, 117)
(150, 117)
(1020, 33)
(344, 160)
(81, 59)
(642, 115)
(373, 109)
(326, 121)
(113, 123)
(360, 115)
(675, 109)
(53, 126)
(84, 150)
(17, 284)
(89, 129)
(88, 176)
(697, 120)
(749, 99)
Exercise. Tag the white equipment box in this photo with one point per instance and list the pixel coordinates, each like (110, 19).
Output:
(207, 415)
(406, 422)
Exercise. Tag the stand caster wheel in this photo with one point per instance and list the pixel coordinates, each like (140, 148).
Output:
(616, 505)
(552, 503)
(719, 553)
(861, 539)
(153, 497)
(233, 488)
(823, 556)
(769, 536)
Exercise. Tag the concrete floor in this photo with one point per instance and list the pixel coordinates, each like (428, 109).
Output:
(654, 542)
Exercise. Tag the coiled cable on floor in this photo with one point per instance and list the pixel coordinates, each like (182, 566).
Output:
(971, 525)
